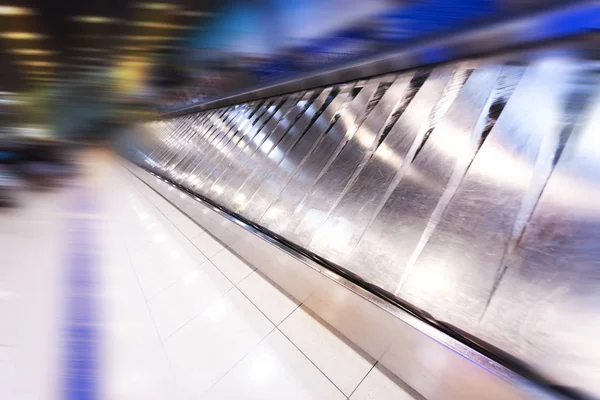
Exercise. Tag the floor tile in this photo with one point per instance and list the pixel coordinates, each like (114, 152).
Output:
(232, 266)
(382, 384)
(331, 353)
(275, 370)
(188, 227)
(159, 266)
(208, 245)
(188, 296)
(273, 302)
(213, 342)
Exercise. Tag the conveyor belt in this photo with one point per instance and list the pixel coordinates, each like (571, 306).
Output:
(469, 191)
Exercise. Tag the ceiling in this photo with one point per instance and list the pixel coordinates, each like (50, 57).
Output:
(48, 41)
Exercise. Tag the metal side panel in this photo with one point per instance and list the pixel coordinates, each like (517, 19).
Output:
(261, 162)
(247, 137)
(261, 198)
(290, 202)
(392, 227)
(232, 179)
(204, 127)
(486, 207)
(341, 170)
(298, 153)
(240, 118)
(438, 190)
(249, 147)
(277, 153)
(213, 135)
(433, 364)
(552, 278)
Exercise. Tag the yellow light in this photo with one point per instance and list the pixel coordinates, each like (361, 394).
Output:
(40, 72)
(94, 19)
(93, 36)
(160, 25)
(156, 6)
(131, 48)
(151, 38)
(89, 58)
(39, 63)
(32, 52)
(21, 35)
(195, 13)
(10, 11)
(89, 49)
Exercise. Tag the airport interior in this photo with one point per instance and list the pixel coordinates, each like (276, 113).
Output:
(294, 200)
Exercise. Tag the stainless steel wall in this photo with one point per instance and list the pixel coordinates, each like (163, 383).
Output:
(470, 190)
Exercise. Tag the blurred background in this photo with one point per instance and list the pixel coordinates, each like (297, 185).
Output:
(76, 76)
(73, 71)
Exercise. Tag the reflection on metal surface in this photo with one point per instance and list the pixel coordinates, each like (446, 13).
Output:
(468, 191)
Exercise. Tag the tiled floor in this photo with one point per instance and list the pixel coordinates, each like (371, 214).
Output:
(184, 318)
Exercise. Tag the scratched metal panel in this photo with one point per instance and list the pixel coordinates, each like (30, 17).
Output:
(295, 191)
(205, 127)
(220, 134)
(349, 158)
(261, 198)
(239, 120)
(180, 132)
(248, 147)
(295, 157)
(231, 179)
(245, 132)
(385, 184)
(238, 129)
(243, 181)
(428, 193)
(546, 310)
(197, 129)
(435, 138)
(454, 274)
(277, 153)
(247, 137)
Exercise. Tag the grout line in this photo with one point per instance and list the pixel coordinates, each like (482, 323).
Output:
(147, 306)
(363, 378)
(276, 327)
(241, 359)
(315, 365)
(225, 293)
(176, 208)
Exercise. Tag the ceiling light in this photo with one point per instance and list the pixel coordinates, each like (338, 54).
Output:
(32, 52)
(21, 35)
(156, 6)
(38, 63)
(10, 10)
(195, 13)
(162, 25)
(131, 48)
(93, 36)
(90, 59)
(40, 72)
(151, 38)
(89, 49)
(93, 19)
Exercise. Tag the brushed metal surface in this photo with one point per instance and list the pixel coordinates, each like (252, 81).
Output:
(441, 187)
(292, 196)
(552, 277)
(282, 106)
(462, 257)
